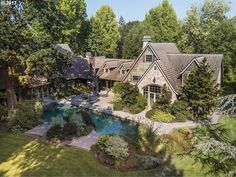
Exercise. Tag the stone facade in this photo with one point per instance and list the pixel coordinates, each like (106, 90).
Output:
(154, 77)
(140, 67)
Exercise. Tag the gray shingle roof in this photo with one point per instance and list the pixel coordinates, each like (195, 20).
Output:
(172, 62)
(79, 69)
(64, 48)
(114, 74)
(165, 47)
(37, 82)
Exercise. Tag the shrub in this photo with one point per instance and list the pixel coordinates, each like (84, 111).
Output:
(87, 119)
(178, 141)
(114, 146)
(69, 129)
(147, 141)
(73, 91)
(25, 115)
(164, 101)
(139, 106)
(128, 96)
(118, 106)
(180, 110)
(54, 132)
(3, 112)
(148, 162)
(117, 147)
(150, 113)
(163, 117)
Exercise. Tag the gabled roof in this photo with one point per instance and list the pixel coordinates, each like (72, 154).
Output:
(114, 74)
(64, 48)
(165, 47)
(79, 69)
(172, 62)
(37, 82)
(167, 80)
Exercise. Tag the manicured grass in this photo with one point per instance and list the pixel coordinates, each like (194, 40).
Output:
(230, 124)
(24, 156)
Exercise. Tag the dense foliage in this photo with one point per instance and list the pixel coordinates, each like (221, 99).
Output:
(213, 150)
(208, 29)
(68, 127)
(104, 32)
(200, 91)
(73, 91)
(25, 115)
(164, 100)
(128, 97)
(161, 23)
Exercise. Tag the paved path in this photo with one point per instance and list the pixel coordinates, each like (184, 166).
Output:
(40, 130)
(85, 142)
(104, 105)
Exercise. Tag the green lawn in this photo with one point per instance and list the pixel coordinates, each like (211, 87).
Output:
(230, 125)
(23, 156)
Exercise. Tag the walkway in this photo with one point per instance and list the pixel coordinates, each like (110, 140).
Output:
(85, 142)
(104, 105)
(40, 130)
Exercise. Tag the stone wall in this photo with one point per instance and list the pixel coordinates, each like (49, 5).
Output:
(154, 76)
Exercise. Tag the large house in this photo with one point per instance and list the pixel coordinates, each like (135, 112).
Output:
(158, 64)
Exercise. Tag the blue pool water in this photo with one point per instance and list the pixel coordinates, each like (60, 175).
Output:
(105, 124)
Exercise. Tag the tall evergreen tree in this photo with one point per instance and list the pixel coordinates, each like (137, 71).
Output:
(162, 24)
(201, 91)
(207, 29)
(133, 41)
(124, 31)
(104, 32)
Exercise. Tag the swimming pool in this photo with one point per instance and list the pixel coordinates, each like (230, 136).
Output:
(105, 124)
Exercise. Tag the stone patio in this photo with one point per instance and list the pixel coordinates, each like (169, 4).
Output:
(85, 142)
(40, 130)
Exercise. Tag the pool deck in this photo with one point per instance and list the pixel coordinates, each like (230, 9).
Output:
(40, 130)
(104, 105)
(85, 142)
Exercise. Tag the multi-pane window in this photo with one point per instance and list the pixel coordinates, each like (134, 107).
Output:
(152, 93)
(155, 89)
(149, 58)
(135, 78)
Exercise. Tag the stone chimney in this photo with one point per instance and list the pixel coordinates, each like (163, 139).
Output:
(146, 40)
(89, 57)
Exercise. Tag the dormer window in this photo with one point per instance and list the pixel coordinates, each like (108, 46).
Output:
(106, 70)
(149, 58)
(135, 78)
(185, 77)
(123, 71)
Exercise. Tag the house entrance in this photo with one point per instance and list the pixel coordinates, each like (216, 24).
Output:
(152, 93)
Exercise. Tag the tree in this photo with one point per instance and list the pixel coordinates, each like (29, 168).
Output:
(63, 20)
(104, 32)
(208, 30)
(124, 30)
(200, 91)
(213, 151)
(13, 46)
(133, 41)
(162, 24)
(164, 101)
